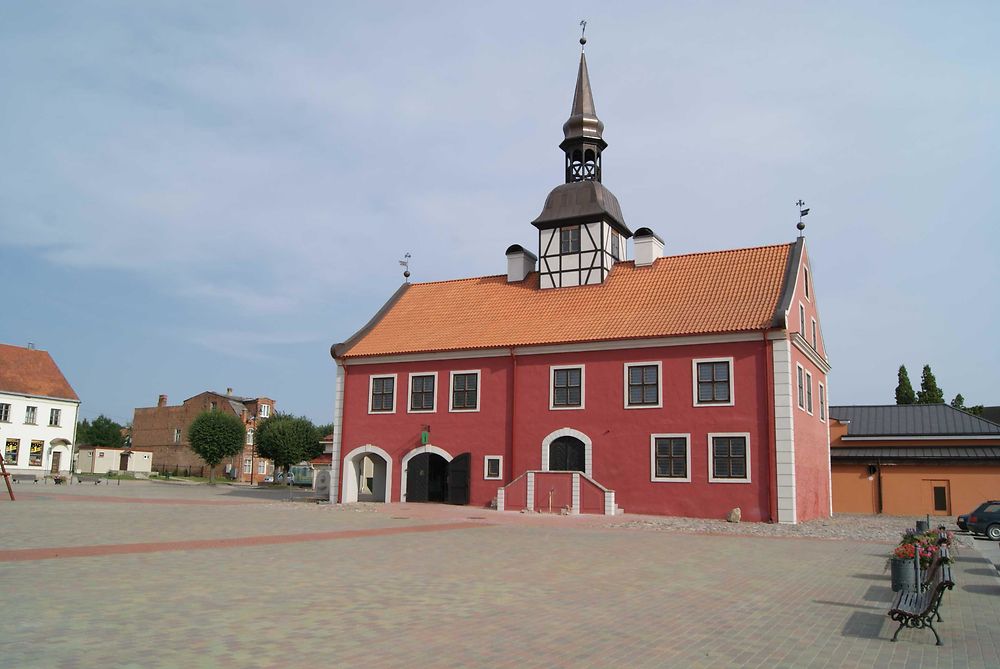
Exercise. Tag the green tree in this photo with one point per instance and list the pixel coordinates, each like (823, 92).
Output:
(324, 429)
(929, 392)
(214, 436)
(102, 432)
(287, 440)
(904, 389)
(958, 402)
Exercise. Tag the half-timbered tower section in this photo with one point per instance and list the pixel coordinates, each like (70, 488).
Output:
(678, 385)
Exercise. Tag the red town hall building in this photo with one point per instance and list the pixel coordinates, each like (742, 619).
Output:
(585, 382)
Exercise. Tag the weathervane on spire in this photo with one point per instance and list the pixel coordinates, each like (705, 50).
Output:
(802, 212)
(583, 34)
(405, 262)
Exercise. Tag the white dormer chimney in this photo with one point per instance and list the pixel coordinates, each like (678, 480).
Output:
(648, 247)
(520, 263)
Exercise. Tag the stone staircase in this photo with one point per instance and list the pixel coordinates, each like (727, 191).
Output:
(556, 492)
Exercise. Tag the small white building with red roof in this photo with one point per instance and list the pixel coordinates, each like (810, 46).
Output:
(583, 381)
(38, 413)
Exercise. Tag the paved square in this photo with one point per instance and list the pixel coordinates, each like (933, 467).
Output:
(192, 576)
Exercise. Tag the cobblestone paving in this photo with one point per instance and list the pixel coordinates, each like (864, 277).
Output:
(514, 591)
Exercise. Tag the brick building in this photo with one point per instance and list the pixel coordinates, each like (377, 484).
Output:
(162, 430)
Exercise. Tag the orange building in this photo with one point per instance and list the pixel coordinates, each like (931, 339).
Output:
(910, 460)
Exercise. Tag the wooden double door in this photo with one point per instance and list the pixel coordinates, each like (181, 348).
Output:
(431, 478)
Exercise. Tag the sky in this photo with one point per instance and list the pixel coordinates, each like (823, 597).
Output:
(198, 196)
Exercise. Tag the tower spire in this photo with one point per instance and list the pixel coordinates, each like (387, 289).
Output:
(583, 132)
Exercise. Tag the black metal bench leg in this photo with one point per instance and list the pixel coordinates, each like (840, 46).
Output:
(901, 626)
(929, 624)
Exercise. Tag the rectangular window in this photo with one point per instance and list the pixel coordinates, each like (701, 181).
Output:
(822, 402)
(247, 465)
(802, 320)
(212, 406)
(10, 452)
(805, 280)
(261, 466)
(813, 333)
(802, 395)
(642, 385)
(567, 388)
(809, 392)
(55, 415)
(35, 454)
(614, 246)
(250, 436)
(265, 410)
(4, 413)
(940, 498)
(177, 435)
(465, 391)
(670, 457)
(729, 459)
(493, 467)
(30, 414)
(383, 394)
(422, 392)
(713, 381)
(569, 239)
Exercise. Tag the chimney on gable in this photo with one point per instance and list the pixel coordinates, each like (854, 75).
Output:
(161, 401)
(648, 247)
(229, 391)
(520, 263)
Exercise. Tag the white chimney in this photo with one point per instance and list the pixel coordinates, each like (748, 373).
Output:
(648, 247)
(520, 263)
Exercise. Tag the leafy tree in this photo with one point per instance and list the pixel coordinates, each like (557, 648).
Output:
(929, 392)
(286, 440)
(975, 409)
(324, 429)
(904, 390)
(214, 436)
(102, 432)
(958, 402)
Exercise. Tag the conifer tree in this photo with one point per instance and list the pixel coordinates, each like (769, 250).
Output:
(929, 392)
(958, 402)
(904, 390)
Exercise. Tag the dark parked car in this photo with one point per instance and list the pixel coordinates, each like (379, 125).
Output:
(986, 520)
(963, 522)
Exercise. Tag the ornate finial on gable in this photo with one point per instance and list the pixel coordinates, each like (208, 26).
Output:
(802, 212)
(583, 34)
(405, 263)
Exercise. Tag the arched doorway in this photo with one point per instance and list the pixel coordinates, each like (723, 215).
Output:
(367, 475)
(427, 478)
(567, 454)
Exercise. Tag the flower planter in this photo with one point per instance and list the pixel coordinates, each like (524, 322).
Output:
(904, 577)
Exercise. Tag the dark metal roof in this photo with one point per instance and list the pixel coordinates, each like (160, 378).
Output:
(581, 202)
(922, 453)
(912, 420)
(583, 121)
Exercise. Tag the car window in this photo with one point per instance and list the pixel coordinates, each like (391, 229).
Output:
(992, 508)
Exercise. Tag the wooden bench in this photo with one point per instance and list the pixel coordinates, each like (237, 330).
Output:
(24, 477)
(918, 609)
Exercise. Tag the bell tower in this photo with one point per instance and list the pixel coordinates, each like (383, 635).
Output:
(581, 230)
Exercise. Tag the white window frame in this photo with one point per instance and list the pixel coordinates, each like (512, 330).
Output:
(802, 320)
(265, 410)
(57, 415)
(800, 385)
(652, 458)
(371, 389)
(813, 322)
(178, 437)
(552, 389)
(805, 282)
(486, 468)
(809, 393)
(249, 436)
(247, 465)
(694, 383)
(33, 412)
(659, 385)
(822, 402)
(262, 466)
(479, 390)
(409, 392)
(4, 412)
(711, 457)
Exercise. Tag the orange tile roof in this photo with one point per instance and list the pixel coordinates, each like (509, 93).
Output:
(701, 293)
(31, 372)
